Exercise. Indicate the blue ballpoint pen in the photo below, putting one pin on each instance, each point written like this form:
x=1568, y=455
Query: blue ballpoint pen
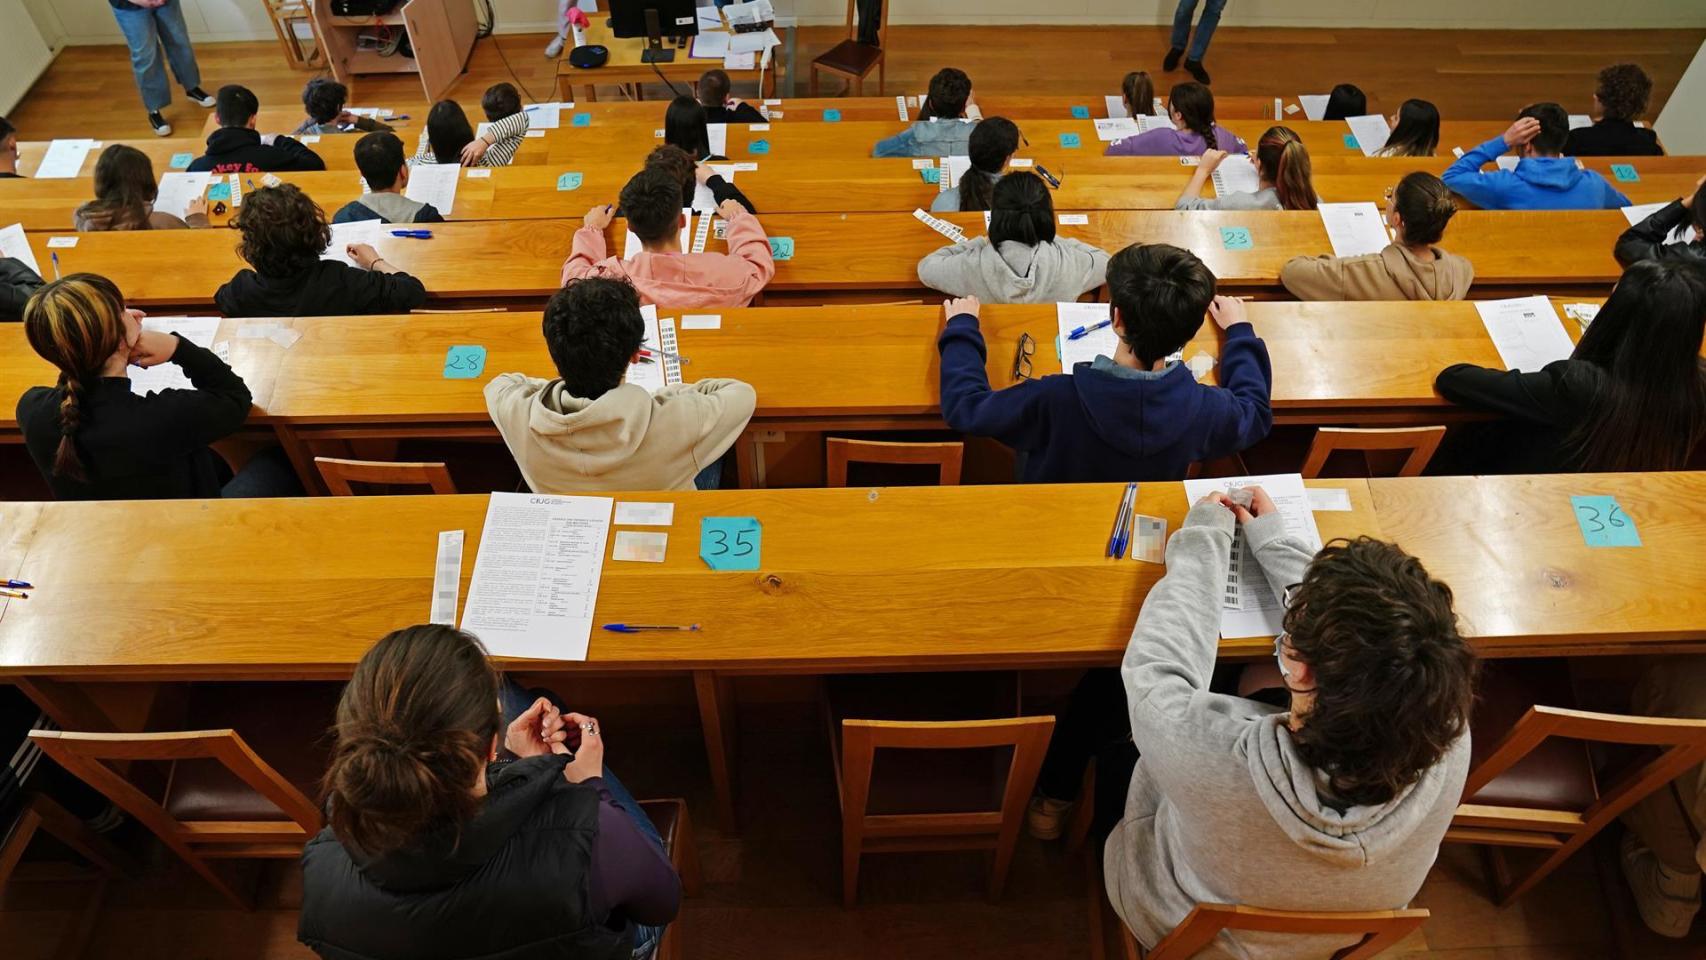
x=1083, y=332
x=55, y=255
x=637, y=627
x=416, y=234
x=18, y=585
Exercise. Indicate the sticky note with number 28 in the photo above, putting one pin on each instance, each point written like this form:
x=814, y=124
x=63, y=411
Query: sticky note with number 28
x=730, y=543
x=464, y=362
x=1603, y=522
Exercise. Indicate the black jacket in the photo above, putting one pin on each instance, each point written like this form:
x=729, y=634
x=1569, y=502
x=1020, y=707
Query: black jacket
x=17, y=282
x=1646, y=240
x=1613, y=138
x=513, y=884
x=1539, y=411
x=240, y=150
x=142, y=448
x=740, y=113
x=722, y=190
x=328, y=289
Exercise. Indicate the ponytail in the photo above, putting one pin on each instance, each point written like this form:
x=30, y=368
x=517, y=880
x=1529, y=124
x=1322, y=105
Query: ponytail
x=993, y=141
x=1139, y=93
x=66, y=463
x=1284, y=162
x=1195, y=105
x=76, y=324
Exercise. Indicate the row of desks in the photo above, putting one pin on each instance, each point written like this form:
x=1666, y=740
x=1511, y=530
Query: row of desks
x=871, y=254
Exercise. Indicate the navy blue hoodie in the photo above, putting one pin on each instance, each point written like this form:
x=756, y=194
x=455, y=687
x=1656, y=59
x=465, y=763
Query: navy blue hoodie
x=1096, y=426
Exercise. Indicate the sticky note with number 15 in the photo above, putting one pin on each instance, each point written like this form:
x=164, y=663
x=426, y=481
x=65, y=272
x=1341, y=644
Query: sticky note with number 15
x=730, y=543
x=1603, y=522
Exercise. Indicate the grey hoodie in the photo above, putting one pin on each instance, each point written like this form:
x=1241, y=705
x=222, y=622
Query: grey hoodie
x=1061, y=270
x=1221, y=808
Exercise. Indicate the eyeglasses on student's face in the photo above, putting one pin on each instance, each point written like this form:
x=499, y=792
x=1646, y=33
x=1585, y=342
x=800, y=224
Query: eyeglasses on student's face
x=1022, y=357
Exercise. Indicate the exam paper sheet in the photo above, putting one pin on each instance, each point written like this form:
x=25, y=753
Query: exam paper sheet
x=1103, y=342
x=1641, y=211
x=1371, y=132
x=1526, y=331
x=1354, y=229
x=15, y=243
x=1236, y=174
x=169, y=376
x=434, y=183
x=1249, y=607
x=536, y=575
x=178, y=189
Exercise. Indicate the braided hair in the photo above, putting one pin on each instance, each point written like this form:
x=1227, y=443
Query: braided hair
x=76, y=324
x=1194, y=103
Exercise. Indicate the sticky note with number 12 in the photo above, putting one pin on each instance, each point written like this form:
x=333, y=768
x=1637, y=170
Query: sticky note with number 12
x=730, y=543
x=1603, y=522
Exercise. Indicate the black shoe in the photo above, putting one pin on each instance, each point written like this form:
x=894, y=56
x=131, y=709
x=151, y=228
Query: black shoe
x=1171, y=63
x=200, y=96
x=1194, y=67
x=161, y=127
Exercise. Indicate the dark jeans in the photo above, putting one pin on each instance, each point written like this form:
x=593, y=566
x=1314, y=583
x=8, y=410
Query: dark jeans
x=267, y=474
x=1094, y=726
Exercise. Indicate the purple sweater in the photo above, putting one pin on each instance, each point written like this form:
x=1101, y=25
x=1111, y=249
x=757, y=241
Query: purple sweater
x=1174, y=143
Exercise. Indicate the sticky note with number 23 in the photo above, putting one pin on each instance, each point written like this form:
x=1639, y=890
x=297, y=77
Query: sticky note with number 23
x=1603, y=522
x=730, y=543
x=1235, y=238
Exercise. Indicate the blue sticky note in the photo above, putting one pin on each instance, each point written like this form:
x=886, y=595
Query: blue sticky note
x=1625, y=172
x=181, y=160
x=219, y=191
x=730, y=543
x=832, y=116
x=1235, y=238
x=1069, y=141
x=781, y=248
x=569, y=181
x=758, y=146
x=1603, y=522
x=464, y=362
x=581, y=120
x=1080, y=113
x=1351, y=141
x=931, y=175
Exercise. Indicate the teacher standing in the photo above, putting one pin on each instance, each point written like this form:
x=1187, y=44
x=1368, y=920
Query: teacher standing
x=1199, y=43
x=149, y=25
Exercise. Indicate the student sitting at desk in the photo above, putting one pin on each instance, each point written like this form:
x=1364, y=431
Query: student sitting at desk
x=436, y=848
x=719, y=106
x=448, y=138
x=1632, y=396
x=1542, y=180
x=1137, y=92
x=679, y=165
x=1138, y=415
x=8, y=150
x=1345, y=100
x=237, y=148
x=685, y=125
x=1646, y=240
x=1415, y=131
x=1410, y=268
x=17, y=283
x=323, y=99
x=941, y=129
x=1619, y=97
x=1191, y=108
x=1283, y=177
x=993, y=143
x=124, y=196
x=1337, y=803
x=379, y=157
x=1020, y=261
x=661, y=271
x=283, y=236
x=590, y=429
x=92, y=438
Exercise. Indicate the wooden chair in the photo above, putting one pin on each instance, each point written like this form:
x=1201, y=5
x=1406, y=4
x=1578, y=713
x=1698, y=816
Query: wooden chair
x=1420, y=441
x=948, y=457
x=855, y=60
x=670, y=818
x=339, y=474
x=951, y=767
x=40, y=812
x=1532, y=782
x=285, y=15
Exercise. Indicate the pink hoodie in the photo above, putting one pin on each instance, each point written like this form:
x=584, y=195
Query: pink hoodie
x=684, y=281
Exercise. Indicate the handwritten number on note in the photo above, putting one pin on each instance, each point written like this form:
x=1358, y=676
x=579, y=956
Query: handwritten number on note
x=1603, y=522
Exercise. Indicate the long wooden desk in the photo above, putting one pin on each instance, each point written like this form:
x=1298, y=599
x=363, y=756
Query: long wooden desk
x=865, y=254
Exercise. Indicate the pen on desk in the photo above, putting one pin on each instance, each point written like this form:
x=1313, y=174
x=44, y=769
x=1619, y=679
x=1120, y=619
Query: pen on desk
x=1080, y=333
x=637, y=627
x=250, y=181
x=55, y=255
x=415, y=234
x=17, y=585
x=1123, y=538
x=1114, y=534
x=648, y=353
x=14, y=594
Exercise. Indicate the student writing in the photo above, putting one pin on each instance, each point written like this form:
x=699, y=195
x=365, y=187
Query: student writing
x=941, y=129
x=124, y=196
x=719, y=106
x=993, y=143
x=236, y=147
x=323, y=99
x=679, y=165
x=1411, y=267
x=1284, y=177
x=1646, y=240
x=379, y=157
x=1191, y=108
x=1542, y=180
x=1021, y=260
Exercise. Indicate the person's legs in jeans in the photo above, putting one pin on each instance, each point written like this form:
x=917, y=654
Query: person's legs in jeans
x=1182, y=22
x=175, y=37
x=1094, y=720
x=267, y=474
x=1205, y=29
x=144, y=43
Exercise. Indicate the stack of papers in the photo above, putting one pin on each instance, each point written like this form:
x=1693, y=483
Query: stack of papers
x=1526, y=331
x=536, y=575
x=1249, y=607
x=1371, y=132
x=1354, y=229
x=740, y=61
x=15, y=243
x=435, y=183
x=169, y=376
x=710, y=45
x=753, y=42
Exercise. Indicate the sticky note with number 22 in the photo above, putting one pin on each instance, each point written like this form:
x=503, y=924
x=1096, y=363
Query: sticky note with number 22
x=1603, y=522
x=730, y=543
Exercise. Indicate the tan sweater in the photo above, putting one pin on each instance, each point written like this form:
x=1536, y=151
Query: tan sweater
x=626, y=439
x=1392, y=274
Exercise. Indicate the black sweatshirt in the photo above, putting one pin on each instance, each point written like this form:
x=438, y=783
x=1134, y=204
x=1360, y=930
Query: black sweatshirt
x=1646, y=240
x=739, y=113
x=327, y=289
x=17, y=282
x=1539, y=411
x=240, y=150
x=141, y=448
x=1613, y=138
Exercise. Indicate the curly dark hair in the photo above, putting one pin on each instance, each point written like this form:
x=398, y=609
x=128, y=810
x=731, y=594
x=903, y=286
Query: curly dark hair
x=592, y=328
x=1394, y=680
x=323, y=99
x=284, y=232
x=1623, y=90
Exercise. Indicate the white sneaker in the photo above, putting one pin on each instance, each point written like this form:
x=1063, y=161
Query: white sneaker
x=161, y=127
x=1667, y=900
x=554, y=49
x=1045, y=817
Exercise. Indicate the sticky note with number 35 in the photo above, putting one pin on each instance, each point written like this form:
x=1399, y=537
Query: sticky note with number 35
x=1603, y=522
x=730, y=543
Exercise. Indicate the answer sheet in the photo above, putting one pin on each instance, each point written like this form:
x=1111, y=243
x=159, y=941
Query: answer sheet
x=536, y=575
x=63, y=159
x=1371, y=132
x=1117, y=128
x=1314, y=105
x=1641, y=211
x=1103, y=342
x=178, y=189
x=169, y=376
x=434, y=183
x=15, y=243
x=1354, y=229
x=545, y=116
x=660, y=335
x=1249, y=607
x=1526, y=331
x=1236, y=174
x=1116, y=107
x=362, y=231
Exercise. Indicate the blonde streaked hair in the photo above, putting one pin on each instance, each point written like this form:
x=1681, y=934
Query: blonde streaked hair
x=1284, y=162
x=76, y=324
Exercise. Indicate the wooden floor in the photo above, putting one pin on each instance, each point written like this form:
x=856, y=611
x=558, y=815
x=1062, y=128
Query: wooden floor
x=88, y=91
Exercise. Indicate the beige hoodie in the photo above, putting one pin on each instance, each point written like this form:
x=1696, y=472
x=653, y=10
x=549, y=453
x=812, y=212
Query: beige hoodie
x=1392, y=274
x=626, y=439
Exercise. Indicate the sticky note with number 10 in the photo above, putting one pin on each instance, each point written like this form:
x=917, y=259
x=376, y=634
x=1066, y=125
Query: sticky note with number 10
x=730, y=543
x=1603, y=522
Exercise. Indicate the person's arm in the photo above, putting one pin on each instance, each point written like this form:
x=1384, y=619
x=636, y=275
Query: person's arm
x=1281, y=555
x=186, y=420
x=723, y=191
x=1485, y=189
x=1191, y=197
x=1246, y=379
x=1314, y=278
x=1093, y=259
x=969, y=405
x=17, y=283
x=1151, y=143
x=748, y=244
x=944, y=269
x=496, y=147
x=1646, y=239
x=1510, y=393
x=298, y=156
x=901, y=144
x=719, y=410
x=587, y=250
x=743, y=112
x=631, y=876
x=375, y=285
x=370, y=125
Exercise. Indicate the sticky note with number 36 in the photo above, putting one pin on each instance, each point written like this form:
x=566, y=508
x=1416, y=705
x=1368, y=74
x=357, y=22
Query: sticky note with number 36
x=730, y=543
x=1603, y=522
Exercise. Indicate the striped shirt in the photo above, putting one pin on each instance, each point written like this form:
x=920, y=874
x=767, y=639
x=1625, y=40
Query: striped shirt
x=506, y=136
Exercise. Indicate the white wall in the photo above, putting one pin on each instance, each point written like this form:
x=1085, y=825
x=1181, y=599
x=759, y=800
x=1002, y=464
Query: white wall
x=75, y=22
x=1682, y=124
x=24, y=52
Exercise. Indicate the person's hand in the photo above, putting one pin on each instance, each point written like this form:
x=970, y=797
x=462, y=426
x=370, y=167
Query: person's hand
x=958, y=306
x=153, y=348
x=1520, y=132
x=1260, y=503
x=363, y=255
x=1227, y=311
x=729, y=209
x=599, y=217
x=1688, y=201
x=344, y=119
x=1210, y=160
x=475, y=149
x=536, y=731
x=589, y=752
x=196, y=207
x=703, y=173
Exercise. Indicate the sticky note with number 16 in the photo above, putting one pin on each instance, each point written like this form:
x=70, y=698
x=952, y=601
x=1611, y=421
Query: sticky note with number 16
x=1603, y=522
x=730, y=543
